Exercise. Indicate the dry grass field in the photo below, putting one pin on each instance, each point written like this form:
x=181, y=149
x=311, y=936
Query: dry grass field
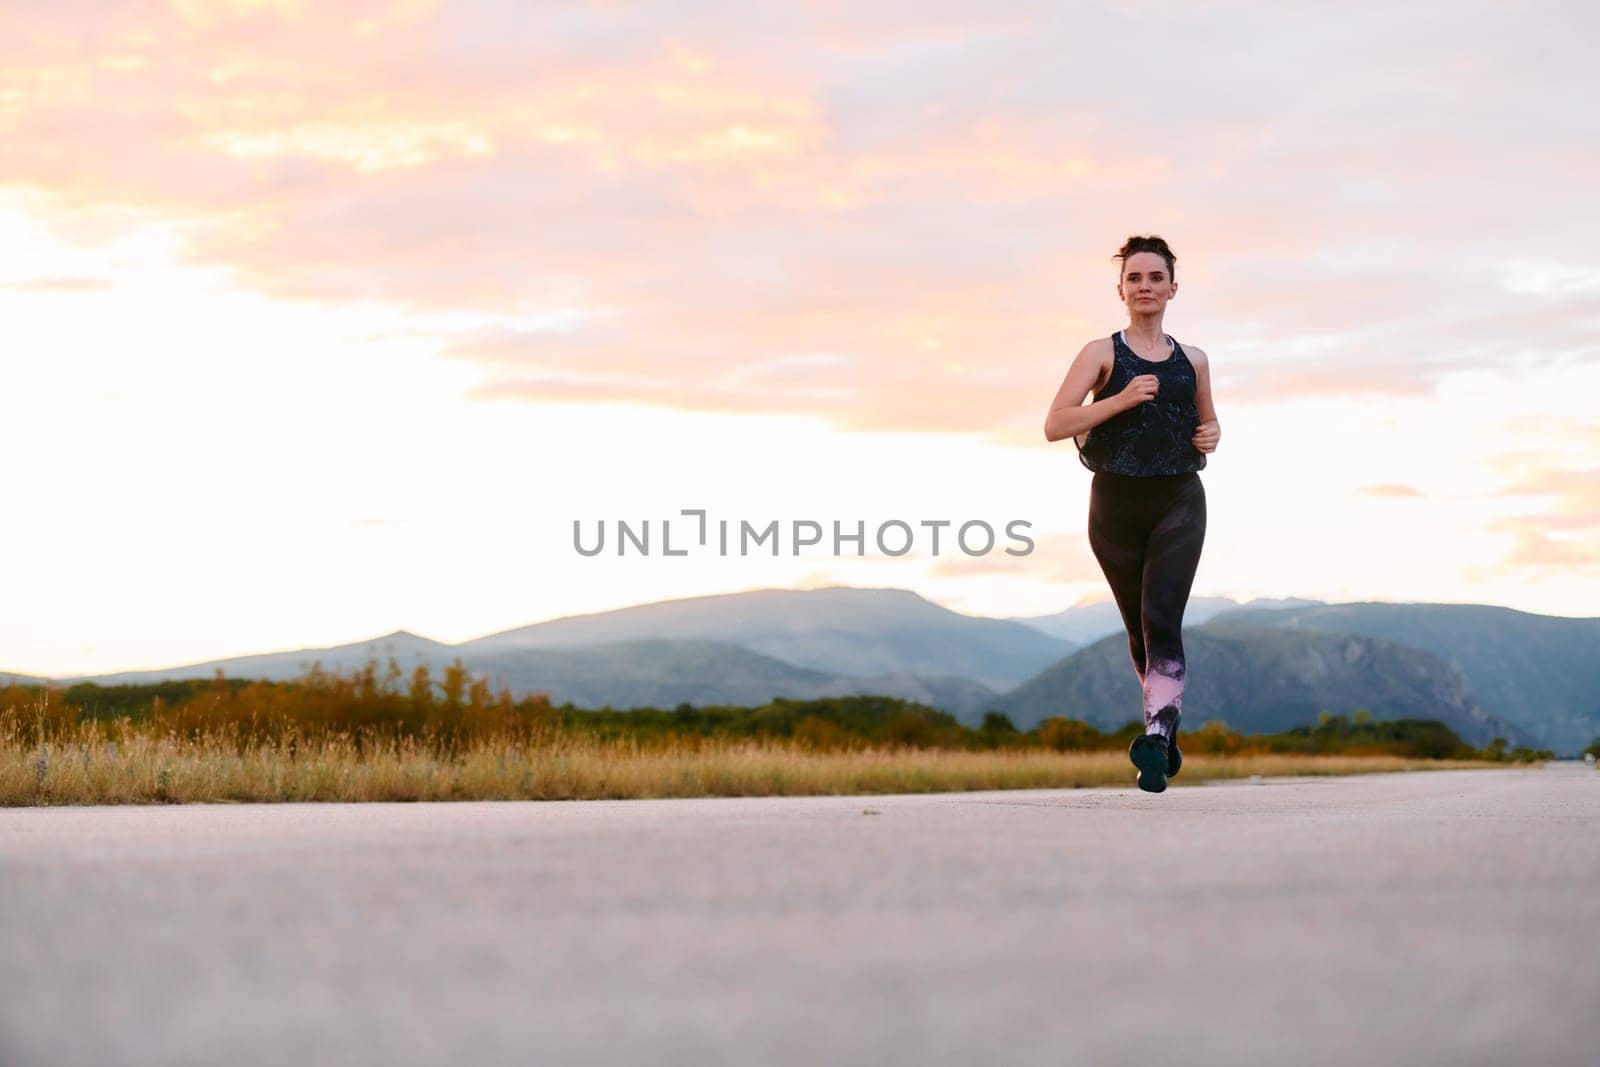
x=146, y=770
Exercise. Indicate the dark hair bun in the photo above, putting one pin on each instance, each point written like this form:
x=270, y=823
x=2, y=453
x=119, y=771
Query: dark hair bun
x=1151, y=243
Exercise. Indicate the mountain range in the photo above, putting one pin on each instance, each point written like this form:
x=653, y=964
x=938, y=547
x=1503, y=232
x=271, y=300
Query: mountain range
x=1268, y=665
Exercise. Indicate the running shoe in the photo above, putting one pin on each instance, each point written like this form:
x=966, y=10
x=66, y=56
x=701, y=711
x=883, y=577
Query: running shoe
x=1174, y=757
x=1149, y=753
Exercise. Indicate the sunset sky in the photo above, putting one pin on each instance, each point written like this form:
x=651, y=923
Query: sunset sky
x=327, y=319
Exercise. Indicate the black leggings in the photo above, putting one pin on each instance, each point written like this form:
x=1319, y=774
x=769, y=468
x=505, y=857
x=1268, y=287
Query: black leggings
x=1147, y=534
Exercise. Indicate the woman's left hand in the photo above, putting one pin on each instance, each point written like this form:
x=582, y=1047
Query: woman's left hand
x=1206, y=437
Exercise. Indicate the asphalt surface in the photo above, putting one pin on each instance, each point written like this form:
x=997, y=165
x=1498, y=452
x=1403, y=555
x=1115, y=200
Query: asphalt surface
x=1436, y=917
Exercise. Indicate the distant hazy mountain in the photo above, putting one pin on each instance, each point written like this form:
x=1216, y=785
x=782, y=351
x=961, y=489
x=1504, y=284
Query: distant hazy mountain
x=1084, y=624
x=407, y=648
x=664, y=674
x=1540, y=672
x=733, y=649
x=618, y=674
x=1262, y=679
x=837, y=630
x=8, y=677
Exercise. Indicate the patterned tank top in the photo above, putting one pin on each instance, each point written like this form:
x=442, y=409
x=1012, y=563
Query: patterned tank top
x=1152, y=438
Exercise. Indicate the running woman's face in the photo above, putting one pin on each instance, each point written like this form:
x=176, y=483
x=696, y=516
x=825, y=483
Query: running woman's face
x=1146, y=285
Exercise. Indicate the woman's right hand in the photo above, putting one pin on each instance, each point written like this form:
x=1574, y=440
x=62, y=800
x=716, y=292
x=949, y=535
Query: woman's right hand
x=1140, y=389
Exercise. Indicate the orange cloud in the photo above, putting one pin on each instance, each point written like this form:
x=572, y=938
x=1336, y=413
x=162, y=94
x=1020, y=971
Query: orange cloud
x=1564, y=534
x=1390, y=490
x=1537, y=550
x=210, y=12
x=1062, y=558
x=61, y=285
x=1574, y=497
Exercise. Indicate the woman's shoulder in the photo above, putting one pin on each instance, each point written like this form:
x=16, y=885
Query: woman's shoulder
x=1196, y=354
x=1102, y=354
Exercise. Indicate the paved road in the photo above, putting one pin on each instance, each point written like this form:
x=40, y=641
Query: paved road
x=1433, y=916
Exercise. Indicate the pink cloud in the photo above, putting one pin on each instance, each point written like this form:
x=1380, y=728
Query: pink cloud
x=894, y=217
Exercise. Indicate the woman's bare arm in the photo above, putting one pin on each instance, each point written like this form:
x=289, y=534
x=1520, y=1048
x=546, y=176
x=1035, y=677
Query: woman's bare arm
x=1068, y=415
x=1209, y=432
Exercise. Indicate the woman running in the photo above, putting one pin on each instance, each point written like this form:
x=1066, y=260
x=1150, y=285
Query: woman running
x=1145, y=436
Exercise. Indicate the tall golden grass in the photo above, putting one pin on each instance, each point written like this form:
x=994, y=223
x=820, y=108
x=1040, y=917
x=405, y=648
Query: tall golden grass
x=357, y=738
x=145, y=770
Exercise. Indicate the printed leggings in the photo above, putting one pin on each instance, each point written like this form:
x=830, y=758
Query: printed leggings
x=1147, y=534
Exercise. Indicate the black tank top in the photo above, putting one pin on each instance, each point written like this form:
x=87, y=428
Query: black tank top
x=1152, y=438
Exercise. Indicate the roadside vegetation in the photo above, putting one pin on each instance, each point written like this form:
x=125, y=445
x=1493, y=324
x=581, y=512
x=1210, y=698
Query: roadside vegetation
x=378, y=734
